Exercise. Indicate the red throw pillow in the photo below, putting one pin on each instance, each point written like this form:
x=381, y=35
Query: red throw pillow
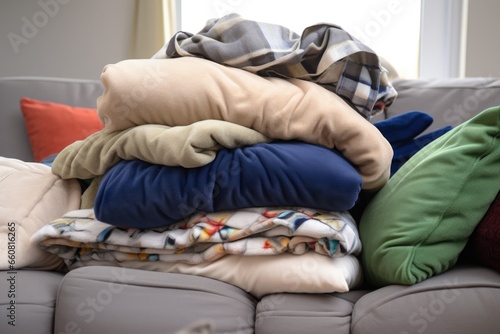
x=53, y=126
x=484, y=243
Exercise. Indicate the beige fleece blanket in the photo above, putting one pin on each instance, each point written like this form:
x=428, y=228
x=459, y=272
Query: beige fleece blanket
x=185, y=90
x=262, y=274
x=188, y=146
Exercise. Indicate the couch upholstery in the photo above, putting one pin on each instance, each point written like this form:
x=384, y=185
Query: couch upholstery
x=116, y=300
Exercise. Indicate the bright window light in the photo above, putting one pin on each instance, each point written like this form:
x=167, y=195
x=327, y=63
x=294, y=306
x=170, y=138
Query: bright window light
x=391, y=28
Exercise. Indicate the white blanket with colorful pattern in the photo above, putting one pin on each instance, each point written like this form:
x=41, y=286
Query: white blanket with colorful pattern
x=78, y=236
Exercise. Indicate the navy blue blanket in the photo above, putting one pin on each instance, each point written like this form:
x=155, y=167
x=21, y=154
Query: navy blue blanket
x=286, y=173
x=402, y=132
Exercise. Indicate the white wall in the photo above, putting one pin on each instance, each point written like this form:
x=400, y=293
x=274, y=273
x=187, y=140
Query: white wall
x=63, y=38
x=482, y=38
x=77, y=38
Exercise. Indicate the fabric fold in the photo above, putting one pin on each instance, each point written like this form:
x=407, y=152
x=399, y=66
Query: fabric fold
x=263, y=275
x=185, y=90
x=188, y=146
x=324, y=53
x=79, y=236
x=286, y=173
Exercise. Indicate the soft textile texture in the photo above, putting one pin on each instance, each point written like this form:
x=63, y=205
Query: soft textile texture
x=187, y=146
x=78, y=236
x=404, y=127
x=325, y=54
x=484, y=243
x=404, y=151
x=402, y=132
x=418, y=224
x=185, y=90
x=53, y=126
x=263, y=275
x=90, y=192
x=30, y=197
x=138, y=194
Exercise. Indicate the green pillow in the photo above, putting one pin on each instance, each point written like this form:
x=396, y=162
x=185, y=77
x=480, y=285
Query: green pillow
x=419, y=222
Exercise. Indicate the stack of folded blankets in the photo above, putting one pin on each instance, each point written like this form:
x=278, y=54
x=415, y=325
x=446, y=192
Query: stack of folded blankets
x=235, y=153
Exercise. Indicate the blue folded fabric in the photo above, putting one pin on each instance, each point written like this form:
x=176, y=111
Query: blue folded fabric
x=402, y=132
x=403, y=152
x=404, y=127
x=285, y=173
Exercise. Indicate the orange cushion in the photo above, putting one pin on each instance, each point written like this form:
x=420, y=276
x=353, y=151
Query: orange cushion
x=53, y=126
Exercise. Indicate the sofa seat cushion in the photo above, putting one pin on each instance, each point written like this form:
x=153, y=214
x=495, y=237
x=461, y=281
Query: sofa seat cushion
x=120, y=300
x=306, y=313
x=464, y=299
x=28, y=301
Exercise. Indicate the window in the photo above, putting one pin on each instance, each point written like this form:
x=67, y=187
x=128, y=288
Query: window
x=390, y=27
x=443, y=38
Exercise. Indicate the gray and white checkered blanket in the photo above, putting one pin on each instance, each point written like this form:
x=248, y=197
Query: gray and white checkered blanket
x=325, y=54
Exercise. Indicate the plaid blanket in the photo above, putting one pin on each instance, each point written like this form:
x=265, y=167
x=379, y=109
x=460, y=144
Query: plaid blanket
x=325, y=54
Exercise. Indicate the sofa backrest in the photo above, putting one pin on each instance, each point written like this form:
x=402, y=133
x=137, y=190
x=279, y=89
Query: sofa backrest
x=448, y=101
x=14, y=141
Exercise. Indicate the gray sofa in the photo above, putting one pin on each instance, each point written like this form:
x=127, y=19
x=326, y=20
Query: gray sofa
x=464, y=299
